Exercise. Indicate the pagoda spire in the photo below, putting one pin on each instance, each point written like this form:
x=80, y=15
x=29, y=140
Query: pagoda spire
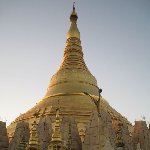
x=73, y=31
x=57, y=133
x=56, y=142
x=73, y=75
x=73, y=55
x=34, y=139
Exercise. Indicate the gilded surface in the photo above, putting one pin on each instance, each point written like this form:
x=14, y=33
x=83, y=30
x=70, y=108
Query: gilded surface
x=67, y=86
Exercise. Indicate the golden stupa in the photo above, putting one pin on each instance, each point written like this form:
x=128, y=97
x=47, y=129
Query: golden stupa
x=67, y=87
x=73, y=115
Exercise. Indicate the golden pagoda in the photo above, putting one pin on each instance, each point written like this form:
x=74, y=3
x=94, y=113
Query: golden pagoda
x=67, y=85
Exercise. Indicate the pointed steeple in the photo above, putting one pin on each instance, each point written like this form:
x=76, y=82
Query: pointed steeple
x=34, y=139
x=73, y=55
x=56, y=142
x=73, y=31
x=73, y=71
x=57, y=133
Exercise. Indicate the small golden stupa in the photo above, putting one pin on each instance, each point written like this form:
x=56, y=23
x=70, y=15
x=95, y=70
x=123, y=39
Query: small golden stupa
x=34, y=139
x=56, y=142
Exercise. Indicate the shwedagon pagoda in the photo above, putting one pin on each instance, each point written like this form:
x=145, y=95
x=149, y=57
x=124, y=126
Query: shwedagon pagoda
x=73, y=115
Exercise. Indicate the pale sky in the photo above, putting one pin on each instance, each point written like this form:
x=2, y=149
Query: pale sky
x=115, y=36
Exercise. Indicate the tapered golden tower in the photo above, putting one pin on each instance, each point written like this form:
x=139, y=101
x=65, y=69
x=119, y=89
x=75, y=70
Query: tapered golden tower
x=74, y=89
x=67, y=85
x=73, y=75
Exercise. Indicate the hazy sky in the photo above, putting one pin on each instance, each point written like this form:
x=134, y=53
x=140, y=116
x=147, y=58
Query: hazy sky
x=115, y=36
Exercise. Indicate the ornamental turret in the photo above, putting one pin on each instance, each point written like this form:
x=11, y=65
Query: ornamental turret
x=56, y=142
x=34, y=138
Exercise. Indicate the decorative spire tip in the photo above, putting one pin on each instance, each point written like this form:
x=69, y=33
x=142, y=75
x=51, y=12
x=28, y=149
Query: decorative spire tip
x=73, y=5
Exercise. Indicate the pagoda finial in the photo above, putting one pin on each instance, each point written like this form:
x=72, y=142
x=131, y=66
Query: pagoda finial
x=73, y=6
x=73, y=16
x=73, y=31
